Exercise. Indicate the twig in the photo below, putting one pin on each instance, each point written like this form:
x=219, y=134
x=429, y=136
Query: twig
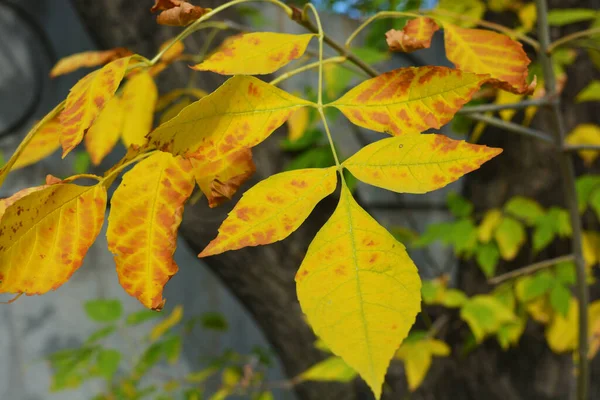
x=510, y=126
x=568, y=38
x=577, y=147
x=499, y=107
x=530, y=269
x=568, y=181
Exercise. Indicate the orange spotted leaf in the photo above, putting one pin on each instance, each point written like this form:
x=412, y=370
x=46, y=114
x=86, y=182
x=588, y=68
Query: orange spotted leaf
x=139, y=99
x=255, y=53
x=219, y=180
x=272, y=209
x=45, y=235
x=144, y=217
x=86, y=99
x=409, y=100
x=45, y=142
x=486, y=52
x=417, y=163
x=102, y=137
x=241, y=113
x=87, y=59
x=359, y=289
x=415, y=35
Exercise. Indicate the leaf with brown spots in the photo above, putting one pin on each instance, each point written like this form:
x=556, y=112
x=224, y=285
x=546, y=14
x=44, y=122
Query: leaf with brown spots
x=86, y=99
x=45, y=142
x=87, y=59
x=219, y=180
x=255, y=53
x=139, y=99
x=417, y=163
x=360, y=290
x=8, y=201
x=272, y=209
x=409, y=100
x=415, y=35
x=144, y=217
x=102, y=137
x=243, y=112
x=45, y=235
x=486, y=52
x=177, y=12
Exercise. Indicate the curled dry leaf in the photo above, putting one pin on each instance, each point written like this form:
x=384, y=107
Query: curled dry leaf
x=415, y=35
x=87, y=59
x=177, y=12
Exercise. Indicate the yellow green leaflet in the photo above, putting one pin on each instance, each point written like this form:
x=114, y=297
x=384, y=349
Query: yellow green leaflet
x=273, y=209
x=417, y=163
x=330, y=369
x=409, y=100
x=359, y=289
x=417, y=356
x=585, y=134
x=243, y=112
x=255, y=53
x=510, y=235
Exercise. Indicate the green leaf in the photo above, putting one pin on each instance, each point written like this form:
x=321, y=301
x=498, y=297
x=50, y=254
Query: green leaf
x=485, y=315
x=525, y=209
x=171, y=348
x=202, y=375
x=330, y=369
x=531, y=287
x=565, y=16
x=560, y=296
x=108, y=362
x=544, y=232
x=100, y=334
x=590, y=93
x=586, y=185
x=318, y=157
x=562, y=221
x=595, y=202
x=487, y=258
x=454, y=298
x=142, y=316
x=103, y=310
x=82, y=162
x=214, y=321
x=192, y=394
x=309, y=139
x=442, y=231
x=464, y=236
x=565, y=272
x=510, y=236
x=70, y=367
x=459, y=206
x=429, y=291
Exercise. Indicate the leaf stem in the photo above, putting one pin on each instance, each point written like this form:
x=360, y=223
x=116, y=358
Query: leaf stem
x=335, y=156
x=331, y=60
x=311, y=7
x=510, y=126
x=530, y=269
x=373, y=18
x=498, y=107
x=83, y=176
x=568, y=180
x=569, y=38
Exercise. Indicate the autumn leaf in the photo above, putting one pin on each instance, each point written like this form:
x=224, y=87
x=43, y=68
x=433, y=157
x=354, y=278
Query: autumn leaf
x=488, y=225
x=255, y=53
x=298, y=123
x=272, y=209
x=485, y=315
x=174, y=109
x=243, y=112
x=145, y=214
x=590, y=93
x=416, y=35
x=139, y=99
x=486, y=52
x=417, y=355
x=409, y=100
x=102, y=137
x=173, y=319
x=86, y=99
x=87, y=59
x=585, y=134
x=332, y=369
x=417, y=163
x=8, y=201
x=349, y=257
x=44, y=143
x=510, y=236
x=464, y=13
x=562, y=332
x=166, y=99
x=45, y=235
x=219, y=180
x=177, y=12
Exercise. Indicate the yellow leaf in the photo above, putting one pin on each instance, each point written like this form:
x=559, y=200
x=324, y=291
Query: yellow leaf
x=417, y=356
x=464, y=13
x=417, y=163
x=173, y=52
x=45, y=235
x=86, y=99
x=486, y=52
x=528, y=16
x=591, y=248
x=243, y=112
x=594, y=328
x=144, y=217
x=503, y=98
x=44, y=143
x=220, y=180
x=485, y=315
x=175, y=109
x=255, y=53
x=415, y=35
x=488, y=225
x=359, y=289
x=272, y=209
x=139, y=99
x=585, y=134
x=166, y=99
x=510, y=236
x=8, y=201
x=87, y=59
x=562, y=333
x=409, y=100
x=540, y=309
x=173, y=319
x=298, y=123
x=331, y=369
x=102, y=137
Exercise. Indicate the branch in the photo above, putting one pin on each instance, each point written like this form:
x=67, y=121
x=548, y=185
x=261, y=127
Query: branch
x=510, y=126
x=530, y=269
x=498, y=107
x=577, y=147
x=569, y=38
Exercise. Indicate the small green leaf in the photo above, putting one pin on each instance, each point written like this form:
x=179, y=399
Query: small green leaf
x=142, y=316
x=309, y=139
x=525, y=209
x=442, y=231
x=560, y=297
x=487, y=258
x=464, y=238
x=459, y=206
x=429, y=291
x=595, y=202
x=171, y=348
x=590, y=93
x=192, y=394
x=82, y=162
x=544, y=233
x=214, y=321
x=100, y=334
x=565, y=273
x=104, y=310
x=565, y=16
x=485, y=315
x=531, y=287
x=318, y=157
x=586, y=185
x=108, y=362
x=454, y=298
